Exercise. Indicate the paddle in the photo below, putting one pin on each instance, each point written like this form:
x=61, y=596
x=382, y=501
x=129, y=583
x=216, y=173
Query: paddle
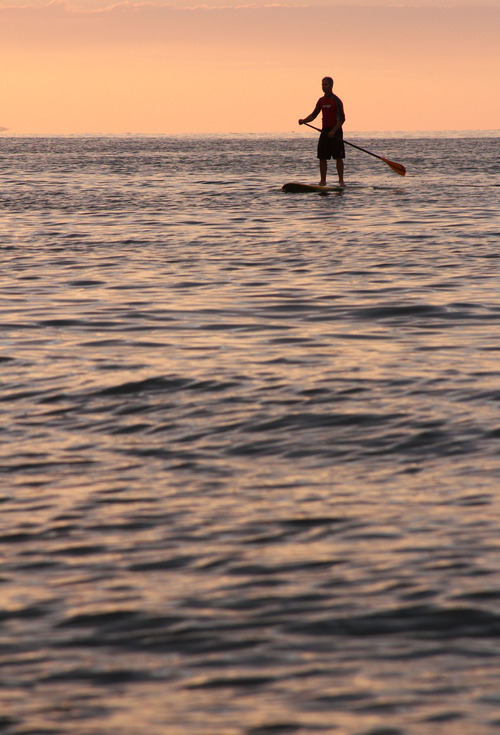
x=397, y=167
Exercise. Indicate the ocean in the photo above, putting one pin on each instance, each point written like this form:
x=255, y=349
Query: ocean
x=250, y=441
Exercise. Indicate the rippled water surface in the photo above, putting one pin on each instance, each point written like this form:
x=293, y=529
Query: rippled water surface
x=250, y=441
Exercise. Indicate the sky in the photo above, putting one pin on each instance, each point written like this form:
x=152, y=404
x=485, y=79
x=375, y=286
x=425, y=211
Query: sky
x=91, y=67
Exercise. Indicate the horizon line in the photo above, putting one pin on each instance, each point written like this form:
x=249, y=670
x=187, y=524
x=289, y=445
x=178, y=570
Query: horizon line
x=6, y=133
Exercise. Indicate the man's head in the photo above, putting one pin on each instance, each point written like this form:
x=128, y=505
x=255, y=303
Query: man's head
x=327, y=85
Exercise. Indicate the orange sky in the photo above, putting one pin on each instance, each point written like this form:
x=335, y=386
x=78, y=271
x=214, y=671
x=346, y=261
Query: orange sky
x=144, y=69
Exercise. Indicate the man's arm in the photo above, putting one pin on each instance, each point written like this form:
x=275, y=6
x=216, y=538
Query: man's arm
x=340, y=119
x=314, y=114
x=335, y=129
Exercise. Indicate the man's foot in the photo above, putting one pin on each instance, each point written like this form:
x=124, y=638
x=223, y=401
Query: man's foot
x=322, y=183
x=342, y=184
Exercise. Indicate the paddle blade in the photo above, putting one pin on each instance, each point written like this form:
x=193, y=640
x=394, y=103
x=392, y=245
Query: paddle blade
x=397, y=167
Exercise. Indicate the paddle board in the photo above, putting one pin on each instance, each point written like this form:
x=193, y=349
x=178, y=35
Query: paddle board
x=298, y=188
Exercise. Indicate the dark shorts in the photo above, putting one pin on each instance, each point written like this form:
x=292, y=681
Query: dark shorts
x=330, y=147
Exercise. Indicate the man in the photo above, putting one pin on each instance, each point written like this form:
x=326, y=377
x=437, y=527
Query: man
x=331, y=141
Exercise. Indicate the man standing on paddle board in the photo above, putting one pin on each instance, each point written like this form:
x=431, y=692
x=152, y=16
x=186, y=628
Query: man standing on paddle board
x=331, y=141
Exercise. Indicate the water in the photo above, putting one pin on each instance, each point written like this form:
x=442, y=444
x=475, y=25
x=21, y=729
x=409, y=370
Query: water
x=250, y=449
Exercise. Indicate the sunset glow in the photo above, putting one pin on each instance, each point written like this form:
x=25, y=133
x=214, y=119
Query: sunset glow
x=148, y=68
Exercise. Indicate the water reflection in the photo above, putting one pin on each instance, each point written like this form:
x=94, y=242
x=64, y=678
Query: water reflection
x=249, y=457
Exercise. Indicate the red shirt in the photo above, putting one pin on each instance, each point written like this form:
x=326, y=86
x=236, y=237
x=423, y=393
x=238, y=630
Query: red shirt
x=332, y=109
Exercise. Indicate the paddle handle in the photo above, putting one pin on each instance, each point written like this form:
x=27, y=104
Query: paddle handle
x=397, y=167
x=346, y=141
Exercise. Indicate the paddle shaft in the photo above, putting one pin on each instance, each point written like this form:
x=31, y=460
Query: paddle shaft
x=397, y=167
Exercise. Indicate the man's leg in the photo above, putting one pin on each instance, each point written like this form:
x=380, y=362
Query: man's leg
x=323, y=166
x=340, y=170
